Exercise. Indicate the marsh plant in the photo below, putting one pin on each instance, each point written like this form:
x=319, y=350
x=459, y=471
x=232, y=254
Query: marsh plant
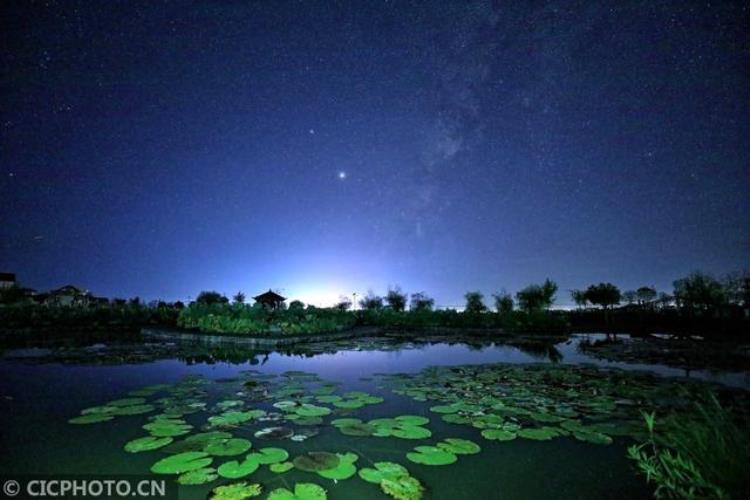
x=706, y=455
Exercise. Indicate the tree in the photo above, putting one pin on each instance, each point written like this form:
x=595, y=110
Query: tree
x=537, y=297
x=579, y=298
x=296, y=305
x=239, y=298
x=344, y=304
x=12, y=295
x=210, y=297
x=699, y=291
x=474, y=302
x=737, y=288
x=646, y=295
x=503, y=302
x=420, y=302
x=603, y=294
x=396, y=299
x=371, y=301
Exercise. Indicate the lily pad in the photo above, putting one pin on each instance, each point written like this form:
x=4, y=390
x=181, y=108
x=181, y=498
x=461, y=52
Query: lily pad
x=403, y=488
x=267, y=456
x=236, y=491
x=282, y=467
x=498, y=435
x=383, y=470
x=274, y=433
x=344, y=470
x=411, y=432
x=236, y=469
x=459, y=446
x=315, y=461
x=538, y=434
x=431, y=455
x=147, y=443
x=92, y=418
x=308, y=410
x=182, y=462
x=412, y=420
x=302, y=491
x=168, y=428
x=227, y=447
x=198, y=476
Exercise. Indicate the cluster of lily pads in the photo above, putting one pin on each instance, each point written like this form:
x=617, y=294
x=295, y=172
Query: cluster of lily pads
x=403, y=426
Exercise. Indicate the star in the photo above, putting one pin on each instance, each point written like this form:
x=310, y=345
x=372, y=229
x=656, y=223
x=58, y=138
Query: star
x=342, y=175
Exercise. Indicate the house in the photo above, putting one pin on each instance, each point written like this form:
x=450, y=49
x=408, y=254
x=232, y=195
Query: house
x=7, y=280
x=69, y=295
x=270, y=299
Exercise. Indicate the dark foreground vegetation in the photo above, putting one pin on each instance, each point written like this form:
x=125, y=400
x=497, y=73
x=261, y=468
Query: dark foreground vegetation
x=699, y=304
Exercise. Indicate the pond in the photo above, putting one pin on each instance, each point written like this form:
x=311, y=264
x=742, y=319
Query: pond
x=546, y=422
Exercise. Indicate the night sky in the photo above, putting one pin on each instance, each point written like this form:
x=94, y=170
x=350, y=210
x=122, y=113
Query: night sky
x=324, y=148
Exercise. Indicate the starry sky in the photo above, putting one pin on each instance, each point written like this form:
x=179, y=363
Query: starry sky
x=157, y=148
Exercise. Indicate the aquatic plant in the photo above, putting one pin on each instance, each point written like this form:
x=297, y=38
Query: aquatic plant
x=344, y=470
x=147, y=443
x=236, y=491
x=198, y=476
x=235, y=469
x=182, y=462
x=394, y=480
x=431, y=455
x=315, y=461
x=302, y=491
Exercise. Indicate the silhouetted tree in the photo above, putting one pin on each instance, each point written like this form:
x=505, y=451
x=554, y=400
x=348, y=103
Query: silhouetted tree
x=603, y=294
x=537, y=297
x=737, y=288
x=239, y=298
x=630, y=297
x=699, y=291
x=12, y=295
x=211, y=297
x=646, y=295
x=421, y=302
x=344, y=304
x=503, y=302
x=396, y=299
x=371, y=301
x=296, y=305
x=579, y=297
x=474, y=302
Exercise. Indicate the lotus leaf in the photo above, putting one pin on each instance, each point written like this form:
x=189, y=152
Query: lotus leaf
x=147, y=443
x=282, y=467
x=344, y=470
x=412, y=420
x=302, y=491
x=182, y=462
x=357, y=430
x=127, y=402
x=351, y=404
x=431, y=455
x=459, y=446
x=411, y=432
x=308, y=410
x=345, y=421
x=403, y=488
x=236, y=491
x=445, y=409
x=198, y=476
x=227, y=447
x=92, y=418
x=236, y=469
x=539, y=434
x=232, y=418
x=315, y=461
x=267, y=456
x=592, y=437
x=498, y=434
x=168, y=428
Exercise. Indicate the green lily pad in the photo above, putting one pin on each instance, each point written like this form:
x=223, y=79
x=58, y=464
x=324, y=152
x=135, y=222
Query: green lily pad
x=236, y=469
x=168, y=428
x=227, y=447
x=147, y=443
x=383, y=470
x=345, y=421
x=267, y=456
x=411, y=432
x=350, y=404
x=403, y=488
x=234, y=418
x=344, y=470
x=182, y=462
x=92, y=418
x=127, y=402
x=282, y=467
x=498, y=435
x=315, y=461
x=459, y=446
x=274, y=433
x=302, y=491
x=198, y=476
x=592, y=437
x=308, y=410
x=133, y=410
x=412, y=420
x=444, y=409
x=236, y=491
x=357, y=429
x=431, y=455
x=538, y=434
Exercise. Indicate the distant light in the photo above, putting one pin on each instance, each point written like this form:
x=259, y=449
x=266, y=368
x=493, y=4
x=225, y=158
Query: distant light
x=342, y=175
x=312, y=131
